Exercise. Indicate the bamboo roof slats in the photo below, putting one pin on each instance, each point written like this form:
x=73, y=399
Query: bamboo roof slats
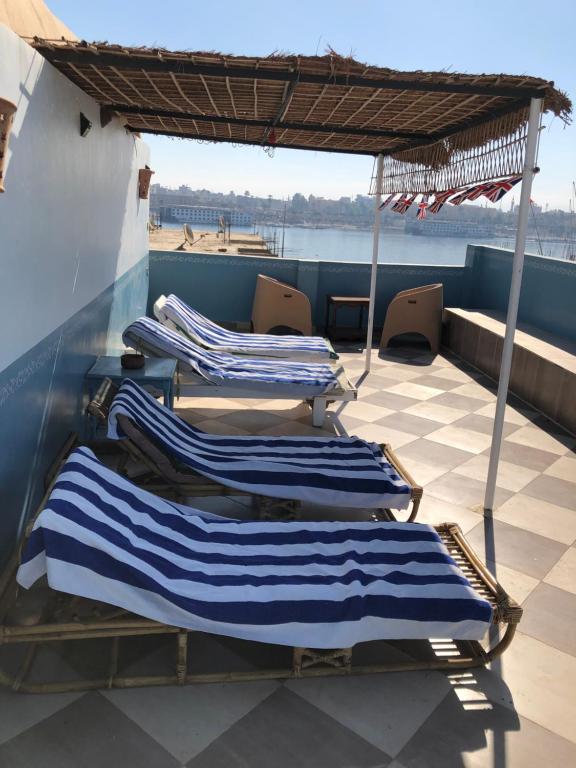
x=322, y=103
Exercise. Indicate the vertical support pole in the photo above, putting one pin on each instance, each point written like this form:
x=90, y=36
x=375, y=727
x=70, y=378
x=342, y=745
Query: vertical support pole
x=374, y=272
x=513, y=301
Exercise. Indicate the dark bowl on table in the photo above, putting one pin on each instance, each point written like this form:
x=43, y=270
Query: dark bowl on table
x=132, y=360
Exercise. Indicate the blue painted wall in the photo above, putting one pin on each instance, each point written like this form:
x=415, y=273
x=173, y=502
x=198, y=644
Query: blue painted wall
x=42, y=395
x=222, y=287
x=548, y=296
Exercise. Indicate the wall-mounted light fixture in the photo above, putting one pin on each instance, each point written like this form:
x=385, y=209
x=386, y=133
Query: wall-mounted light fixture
x=7, y=110
x=85, y=125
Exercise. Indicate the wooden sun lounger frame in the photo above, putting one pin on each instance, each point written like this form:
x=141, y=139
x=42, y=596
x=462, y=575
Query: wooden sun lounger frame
x=164, y=473
x=67, y=617
x=190, y=384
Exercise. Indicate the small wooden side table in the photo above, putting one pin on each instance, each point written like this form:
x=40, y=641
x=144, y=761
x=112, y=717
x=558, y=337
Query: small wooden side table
x=333, y=304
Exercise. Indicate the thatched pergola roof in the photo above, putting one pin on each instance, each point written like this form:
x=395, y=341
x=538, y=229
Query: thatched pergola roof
x=324, y=103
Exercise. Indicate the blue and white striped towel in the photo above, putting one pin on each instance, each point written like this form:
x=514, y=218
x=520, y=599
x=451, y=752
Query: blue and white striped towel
x=212, y=336
x=305, y=379
x=335, y=471
x=321, y=585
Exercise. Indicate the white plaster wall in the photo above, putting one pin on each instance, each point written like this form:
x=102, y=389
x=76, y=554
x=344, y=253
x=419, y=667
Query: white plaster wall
x=71, y=221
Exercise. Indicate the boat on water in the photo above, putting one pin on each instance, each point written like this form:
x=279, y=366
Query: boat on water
x=448, y=229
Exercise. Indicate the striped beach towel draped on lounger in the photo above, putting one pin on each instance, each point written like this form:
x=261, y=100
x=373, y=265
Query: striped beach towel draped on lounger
x=321, y=585
x=339, y=471
x=309, y=379
x=212, y=336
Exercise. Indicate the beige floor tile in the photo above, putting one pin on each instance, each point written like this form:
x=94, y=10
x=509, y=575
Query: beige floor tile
x=464, y=439
x=463, y=491
x=288, y=409
x=222, y=402
x=364, y=390
x=474, y=390
x=400, y=372
x=366, y=411
x=436, y=511
x=563, y=575
x=421, y=472
x=403, y=701
x=511, y=414
x=542, y=681
x=564, y=468
x=214, y=427
x=452, y=374
x=557, y=523
x=193, y=415
x=538, y=438
x=510, y=476
x=518, y=585
x=428, y=409
x=417, y=391
x=341, y=421
x=296, y=428
x=378, y=434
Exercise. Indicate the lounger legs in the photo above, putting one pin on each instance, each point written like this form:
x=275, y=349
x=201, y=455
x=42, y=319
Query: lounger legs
x=318, y=411
x=338, y=658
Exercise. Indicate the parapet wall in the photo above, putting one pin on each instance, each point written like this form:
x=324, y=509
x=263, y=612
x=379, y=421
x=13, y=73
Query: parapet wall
x=548, y=297
x=222, y=287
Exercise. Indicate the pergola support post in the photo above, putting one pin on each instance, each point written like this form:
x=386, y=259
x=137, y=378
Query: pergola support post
x=513, y=301
x=375, y=248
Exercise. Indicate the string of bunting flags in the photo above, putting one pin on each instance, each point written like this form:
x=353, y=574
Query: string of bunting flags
x=492, y=190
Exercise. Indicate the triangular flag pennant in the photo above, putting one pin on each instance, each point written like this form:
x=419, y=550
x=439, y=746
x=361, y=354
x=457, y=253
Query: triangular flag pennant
x=439, y=199
x=422, y=205
x=387, y=202
x=498, y=189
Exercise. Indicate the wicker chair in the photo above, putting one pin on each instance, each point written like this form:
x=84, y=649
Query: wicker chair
x=417, y=310
x=277, y=304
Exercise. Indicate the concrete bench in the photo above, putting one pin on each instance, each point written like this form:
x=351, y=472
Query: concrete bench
x=543, y=366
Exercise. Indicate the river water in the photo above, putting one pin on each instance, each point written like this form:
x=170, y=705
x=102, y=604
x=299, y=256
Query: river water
x=395, y=247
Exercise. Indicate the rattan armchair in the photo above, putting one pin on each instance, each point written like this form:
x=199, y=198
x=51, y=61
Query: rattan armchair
x=417, y=310
x=279, y=305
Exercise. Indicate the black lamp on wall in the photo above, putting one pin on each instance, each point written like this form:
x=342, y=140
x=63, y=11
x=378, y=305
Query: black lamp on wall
x=85, y=125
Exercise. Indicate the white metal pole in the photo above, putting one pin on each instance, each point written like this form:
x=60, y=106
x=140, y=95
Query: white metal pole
x=374, y=272
x=513, y=301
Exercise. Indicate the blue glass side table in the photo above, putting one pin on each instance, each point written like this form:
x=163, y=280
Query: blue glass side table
x=157, y=372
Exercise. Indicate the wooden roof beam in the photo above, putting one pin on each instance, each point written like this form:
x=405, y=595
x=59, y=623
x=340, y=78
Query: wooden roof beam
x=84, y=56
x=126, y=109
x=255, y=143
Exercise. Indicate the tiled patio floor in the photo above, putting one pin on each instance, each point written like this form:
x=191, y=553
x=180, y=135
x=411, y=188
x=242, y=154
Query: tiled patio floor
x=520, y=714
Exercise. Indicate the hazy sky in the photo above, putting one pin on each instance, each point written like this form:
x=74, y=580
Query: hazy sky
x=512, y=36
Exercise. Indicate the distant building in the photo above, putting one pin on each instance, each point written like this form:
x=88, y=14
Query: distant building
x=203, y=214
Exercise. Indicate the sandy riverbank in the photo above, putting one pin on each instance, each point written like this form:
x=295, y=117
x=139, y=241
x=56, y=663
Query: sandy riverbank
x=238, y=244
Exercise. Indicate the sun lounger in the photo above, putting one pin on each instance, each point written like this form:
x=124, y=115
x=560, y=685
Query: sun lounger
x=333, y=471
x=204, y=373
x=177, y=315
x=135, y=564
